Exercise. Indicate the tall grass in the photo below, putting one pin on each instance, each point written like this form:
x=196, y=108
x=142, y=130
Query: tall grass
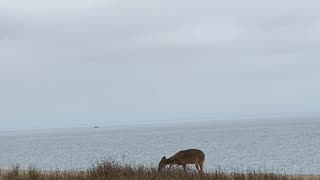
x=117, y=171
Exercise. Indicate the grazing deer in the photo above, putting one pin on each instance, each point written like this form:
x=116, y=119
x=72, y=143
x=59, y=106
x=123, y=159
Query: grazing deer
x=190, y=156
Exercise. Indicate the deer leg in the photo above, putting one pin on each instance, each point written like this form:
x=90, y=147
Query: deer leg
x=198, y=168
x=201, y=167
x=184, y=168
x=170, y=167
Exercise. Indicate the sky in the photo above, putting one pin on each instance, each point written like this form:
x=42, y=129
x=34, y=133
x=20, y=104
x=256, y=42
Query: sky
x=77, y=63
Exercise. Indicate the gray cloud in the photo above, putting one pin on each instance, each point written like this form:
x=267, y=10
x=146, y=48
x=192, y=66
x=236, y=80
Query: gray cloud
x=75, y=63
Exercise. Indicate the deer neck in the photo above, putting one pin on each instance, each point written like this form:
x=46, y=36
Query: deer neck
x=170, y=160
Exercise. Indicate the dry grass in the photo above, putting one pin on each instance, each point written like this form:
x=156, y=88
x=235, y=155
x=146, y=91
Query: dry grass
x=116, y=171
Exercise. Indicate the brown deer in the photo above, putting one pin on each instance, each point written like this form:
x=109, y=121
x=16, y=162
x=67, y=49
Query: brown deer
x=189, y=156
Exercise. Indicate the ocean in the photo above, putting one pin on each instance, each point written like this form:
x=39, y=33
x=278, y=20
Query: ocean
x=286, y=146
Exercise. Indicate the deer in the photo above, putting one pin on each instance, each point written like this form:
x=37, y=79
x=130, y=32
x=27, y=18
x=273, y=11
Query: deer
x=189, y=156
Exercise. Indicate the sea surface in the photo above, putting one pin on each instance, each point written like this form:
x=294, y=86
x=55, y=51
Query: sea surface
x=290, y=146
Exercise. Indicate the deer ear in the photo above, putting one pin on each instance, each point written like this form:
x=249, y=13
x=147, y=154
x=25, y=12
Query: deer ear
x=163, y=158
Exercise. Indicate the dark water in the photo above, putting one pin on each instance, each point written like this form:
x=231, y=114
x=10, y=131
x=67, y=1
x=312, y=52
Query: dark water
x=286, y=146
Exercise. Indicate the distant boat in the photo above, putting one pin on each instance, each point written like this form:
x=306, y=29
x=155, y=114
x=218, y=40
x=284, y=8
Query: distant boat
x=96, y=127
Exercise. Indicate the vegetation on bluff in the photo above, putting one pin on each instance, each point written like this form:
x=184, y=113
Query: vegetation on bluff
x=120, y=171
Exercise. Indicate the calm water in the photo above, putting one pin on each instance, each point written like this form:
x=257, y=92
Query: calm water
x=291, y=147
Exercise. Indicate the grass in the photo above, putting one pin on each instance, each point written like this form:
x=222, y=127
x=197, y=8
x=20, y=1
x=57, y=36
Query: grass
x=111, y=170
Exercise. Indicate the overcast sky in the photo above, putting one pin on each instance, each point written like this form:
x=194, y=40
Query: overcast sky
x=68, y=63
